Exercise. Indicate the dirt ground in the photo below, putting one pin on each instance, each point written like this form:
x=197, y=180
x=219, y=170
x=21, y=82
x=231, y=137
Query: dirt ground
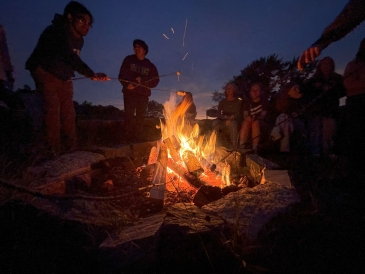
x=322, y=234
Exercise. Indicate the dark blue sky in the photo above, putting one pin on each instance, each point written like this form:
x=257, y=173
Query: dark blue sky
x=221, y=38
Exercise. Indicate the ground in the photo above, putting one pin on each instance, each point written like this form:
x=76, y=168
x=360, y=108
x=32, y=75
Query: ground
x=322, y=234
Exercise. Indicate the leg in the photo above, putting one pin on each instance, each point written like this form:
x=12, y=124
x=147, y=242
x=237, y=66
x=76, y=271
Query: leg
x=256, y=133
x=233, y=133
x=141, y=107
x=244, y=131
x=47, y=85
x=68, y=114
x=329, y=126
x=315, y=133
x=129, y=108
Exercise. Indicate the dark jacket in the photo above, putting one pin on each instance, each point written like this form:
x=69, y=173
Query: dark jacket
x=323, y=95
x=57, y=52
x=132, y=68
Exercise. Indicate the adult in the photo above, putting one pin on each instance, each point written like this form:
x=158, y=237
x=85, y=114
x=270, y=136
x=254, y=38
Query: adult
x=137, y=75
x=288, y=104
x=254, y=113
x=324, y=90
x=52, y=64
x=349, y=18
x=229, y=114
x=6, y=68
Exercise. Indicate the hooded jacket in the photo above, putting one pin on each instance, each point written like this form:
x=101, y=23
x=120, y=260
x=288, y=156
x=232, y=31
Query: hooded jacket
x=132, y=68
x=57, y=52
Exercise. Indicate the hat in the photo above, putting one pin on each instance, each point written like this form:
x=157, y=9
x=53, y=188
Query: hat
x=141, y=43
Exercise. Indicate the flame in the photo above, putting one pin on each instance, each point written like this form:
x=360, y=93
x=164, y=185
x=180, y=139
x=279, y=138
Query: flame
x=189, y=138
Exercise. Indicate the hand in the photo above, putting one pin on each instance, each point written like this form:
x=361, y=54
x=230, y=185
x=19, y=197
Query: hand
x=130, y=86
x=138, y=80
x=100, y=77
x=308, y=56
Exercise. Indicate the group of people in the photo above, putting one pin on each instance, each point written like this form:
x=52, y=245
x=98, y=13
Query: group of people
x=53, y=63
x=313, y=106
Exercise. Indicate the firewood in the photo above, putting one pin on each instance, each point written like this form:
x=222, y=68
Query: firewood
x=191, y=178
x=192, y=163
x=174, y=154
x=159, y=176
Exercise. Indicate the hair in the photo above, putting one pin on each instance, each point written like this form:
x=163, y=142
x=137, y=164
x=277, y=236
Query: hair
x=75, y=9
x=281, y=102
x=327, y=58
x=235, y=88
x=141, y=43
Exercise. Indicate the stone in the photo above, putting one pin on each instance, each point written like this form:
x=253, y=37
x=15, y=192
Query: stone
x=280, y=177
x=252, y=208
x=66, y=166
x=256, y=164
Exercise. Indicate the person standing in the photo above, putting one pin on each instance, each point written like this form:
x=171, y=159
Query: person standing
x=52, y=64
x=137, y=75
x=6, y=68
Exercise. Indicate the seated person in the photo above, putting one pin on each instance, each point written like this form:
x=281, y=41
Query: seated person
x=254, y=112
x=288, y=104
x=229, y=113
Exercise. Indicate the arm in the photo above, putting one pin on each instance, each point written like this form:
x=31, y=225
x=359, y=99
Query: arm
x=126, y=74
x=349, y=18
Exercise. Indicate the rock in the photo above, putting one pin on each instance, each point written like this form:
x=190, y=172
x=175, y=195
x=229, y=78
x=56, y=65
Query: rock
x=280, y=177
x=253, y=207
x=65, y=167
x=256, y=164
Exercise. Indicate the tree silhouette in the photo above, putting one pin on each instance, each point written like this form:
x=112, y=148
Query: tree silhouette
x=272, y=72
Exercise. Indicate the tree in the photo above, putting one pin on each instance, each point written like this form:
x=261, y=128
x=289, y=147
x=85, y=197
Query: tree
x=271, y=72
x=154, y=109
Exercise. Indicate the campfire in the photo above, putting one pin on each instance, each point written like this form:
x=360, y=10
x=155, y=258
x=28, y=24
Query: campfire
x=183, y=157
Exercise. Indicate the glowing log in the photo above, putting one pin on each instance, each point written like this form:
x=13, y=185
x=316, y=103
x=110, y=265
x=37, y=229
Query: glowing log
x=192, y=163
x=177, y=167
x=159, y=177
x=174, y=154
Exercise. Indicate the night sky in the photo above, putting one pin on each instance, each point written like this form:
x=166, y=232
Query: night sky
x=217, y=38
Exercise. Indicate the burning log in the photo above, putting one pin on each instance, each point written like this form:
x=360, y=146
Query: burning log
x=174, y=154
x=192, y=163
x=192, y=179
x=159, y=177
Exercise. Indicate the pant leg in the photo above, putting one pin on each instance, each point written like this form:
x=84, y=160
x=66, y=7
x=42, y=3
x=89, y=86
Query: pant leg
x=282, y=130
x=141, y=107
x=129, y=108
x=48, y=86
x=67, y=112
x=329, y=128
x=315, y=133
x=233, y=133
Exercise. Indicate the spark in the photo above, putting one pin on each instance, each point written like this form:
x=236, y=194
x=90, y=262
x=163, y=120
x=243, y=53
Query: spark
x=165, y=36
x=186, y=24
x=172, y=30
x=185, y=56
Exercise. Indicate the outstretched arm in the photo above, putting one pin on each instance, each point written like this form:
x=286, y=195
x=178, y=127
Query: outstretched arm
x=349, y=18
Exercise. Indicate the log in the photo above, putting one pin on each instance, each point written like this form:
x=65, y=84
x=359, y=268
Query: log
x=192, y=179
x=159, y=177
x=174, y=154
x=192, y=163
